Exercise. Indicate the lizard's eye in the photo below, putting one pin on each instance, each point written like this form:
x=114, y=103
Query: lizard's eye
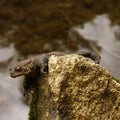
x=18, y=69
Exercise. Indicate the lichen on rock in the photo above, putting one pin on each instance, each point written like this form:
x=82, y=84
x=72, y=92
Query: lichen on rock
x=79, y=89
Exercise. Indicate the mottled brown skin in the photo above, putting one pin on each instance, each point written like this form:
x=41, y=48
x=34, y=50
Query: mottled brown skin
x=28, y=66
x=39, y=65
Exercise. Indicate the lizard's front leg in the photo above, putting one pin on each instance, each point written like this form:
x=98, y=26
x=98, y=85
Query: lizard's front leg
x=42, y=63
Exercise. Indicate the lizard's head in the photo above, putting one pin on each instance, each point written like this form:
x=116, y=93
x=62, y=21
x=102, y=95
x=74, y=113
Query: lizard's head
x=22, y=68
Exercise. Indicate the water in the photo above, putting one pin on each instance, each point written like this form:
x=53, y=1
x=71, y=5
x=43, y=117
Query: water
x=101, y=30
x=11, y=105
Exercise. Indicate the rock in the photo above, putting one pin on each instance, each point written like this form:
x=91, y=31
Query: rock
x=76, y=89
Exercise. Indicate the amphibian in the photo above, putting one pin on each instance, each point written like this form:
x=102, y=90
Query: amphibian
x=28, y=66
x=38, y=65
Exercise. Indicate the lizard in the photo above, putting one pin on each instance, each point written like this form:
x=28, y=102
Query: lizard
x=39, y=65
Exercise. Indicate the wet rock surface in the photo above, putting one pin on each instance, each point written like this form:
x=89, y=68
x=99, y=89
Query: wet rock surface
x=77, y=88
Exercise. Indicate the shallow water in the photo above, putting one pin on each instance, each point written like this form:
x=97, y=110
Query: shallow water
x=11, y=104
x=101, y=30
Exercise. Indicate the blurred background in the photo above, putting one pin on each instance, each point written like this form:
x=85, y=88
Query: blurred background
x=33, y=27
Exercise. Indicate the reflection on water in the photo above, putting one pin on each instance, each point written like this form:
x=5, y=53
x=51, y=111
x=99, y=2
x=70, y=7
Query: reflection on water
x=11, y=105
x=102, y=30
